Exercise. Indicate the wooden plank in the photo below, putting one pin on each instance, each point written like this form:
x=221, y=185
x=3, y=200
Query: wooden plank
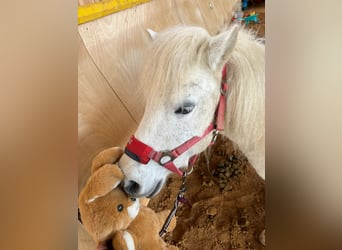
x=189, y=13
x=227, y=8
x=221, y=9
x=86, y=2
x=85, y=242
x=117, y=42
x=212, y=15
x=103, y=121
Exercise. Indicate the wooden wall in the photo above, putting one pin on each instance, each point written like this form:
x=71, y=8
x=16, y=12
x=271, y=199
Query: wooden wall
x=109, y=52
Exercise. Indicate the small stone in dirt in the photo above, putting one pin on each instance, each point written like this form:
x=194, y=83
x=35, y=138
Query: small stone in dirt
x=212, y=211
x=222, y=153
x=224, y=237
x=243, y=222
x=262, y=238
x=220, y=164
x=204, y=184
x=228, y=187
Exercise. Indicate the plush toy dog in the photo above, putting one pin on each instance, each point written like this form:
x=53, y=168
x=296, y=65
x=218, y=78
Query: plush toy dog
x=113, y=219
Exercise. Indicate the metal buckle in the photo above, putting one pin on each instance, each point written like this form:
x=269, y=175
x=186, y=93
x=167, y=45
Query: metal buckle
x=189, y=171
x=224, y=93
x=166, y=157
x=215, y=133
x=180, y=198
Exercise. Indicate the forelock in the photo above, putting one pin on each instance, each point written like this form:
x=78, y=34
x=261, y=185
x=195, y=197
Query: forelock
x=171, y=55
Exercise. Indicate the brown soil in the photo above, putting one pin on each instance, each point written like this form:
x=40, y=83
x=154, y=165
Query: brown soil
x=227, y=196
x=260, y=26
x=228, y=210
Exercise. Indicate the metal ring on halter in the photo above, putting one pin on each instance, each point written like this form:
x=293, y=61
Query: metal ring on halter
x=166, y=157
x=224, y=93
x=215, y=134
x=186, y=173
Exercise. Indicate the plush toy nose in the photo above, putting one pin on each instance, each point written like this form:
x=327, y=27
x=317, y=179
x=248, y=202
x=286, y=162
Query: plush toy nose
x=131, y=188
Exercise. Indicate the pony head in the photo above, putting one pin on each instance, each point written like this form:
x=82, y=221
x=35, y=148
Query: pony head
x=181, y=79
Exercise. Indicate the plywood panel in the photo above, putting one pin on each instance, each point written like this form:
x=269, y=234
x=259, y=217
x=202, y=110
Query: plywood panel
x=189, y=13
x=117, y=43
x=85, y=242
x=227, y=7
x=212, y=15
x=85, y=2
x=103, y=121
x=219, y=8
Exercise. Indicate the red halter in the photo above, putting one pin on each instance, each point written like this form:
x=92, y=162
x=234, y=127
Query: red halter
x=140, y=152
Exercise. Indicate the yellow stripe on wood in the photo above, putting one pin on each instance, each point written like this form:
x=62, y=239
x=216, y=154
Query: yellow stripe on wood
x=93, y=11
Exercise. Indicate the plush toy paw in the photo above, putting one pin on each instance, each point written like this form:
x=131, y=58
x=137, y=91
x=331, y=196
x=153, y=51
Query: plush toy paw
x=123, y=240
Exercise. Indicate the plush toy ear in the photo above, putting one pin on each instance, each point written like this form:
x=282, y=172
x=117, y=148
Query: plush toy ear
x=152, y=34
x=102, y=182
x=220, y=48
x=110, y=155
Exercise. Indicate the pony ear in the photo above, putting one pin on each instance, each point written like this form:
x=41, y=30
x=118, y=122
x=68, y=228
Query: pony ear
x=221, y=46
x=102, y=182
x=152, y=34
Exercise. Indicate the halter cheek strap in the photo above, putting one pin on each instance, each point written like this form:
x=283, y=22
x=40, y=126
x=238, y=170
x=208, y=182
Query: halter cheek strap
x=140, y=152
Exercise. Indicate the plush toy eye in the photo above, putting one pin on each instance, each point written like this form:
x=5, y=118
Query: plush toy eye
x=120, y=207
x=133, y=199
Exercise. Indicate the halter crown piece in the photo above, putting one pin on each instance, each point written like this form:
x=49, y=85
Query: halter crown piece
x=140, y=152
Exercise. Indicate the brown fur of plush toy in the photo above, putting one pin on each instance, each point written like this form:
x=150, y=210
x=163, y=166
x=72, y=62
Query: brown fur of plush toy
x=143, y=232
x=111, y=217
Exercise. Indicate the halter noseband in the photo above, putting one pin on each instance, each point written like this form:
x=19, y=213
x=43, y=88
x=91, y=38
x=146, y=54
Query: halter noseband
x=140, y=152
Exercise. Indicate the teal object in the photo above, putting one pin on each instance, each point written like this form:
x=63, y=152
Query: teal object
x=253, y=18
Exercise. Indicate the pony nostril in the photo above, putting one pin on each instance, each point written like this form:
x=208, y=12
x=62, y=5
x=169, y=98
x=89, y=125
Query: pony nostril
x=131, y=188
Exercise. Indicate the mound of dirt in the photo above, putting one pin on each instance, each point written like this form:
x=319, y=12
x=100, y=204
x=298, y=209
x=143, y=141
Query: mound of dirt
x=227, y=196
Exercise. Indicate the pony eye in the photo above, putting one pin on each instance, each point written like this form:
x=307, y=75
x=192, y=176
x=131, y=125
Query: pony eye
x=120, y=207
x=133, y=199
x=185, y=109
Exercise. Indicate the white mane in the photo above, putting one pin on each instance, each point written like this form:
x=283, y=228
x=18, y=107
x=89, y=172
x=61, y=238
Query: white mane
x=245, y=117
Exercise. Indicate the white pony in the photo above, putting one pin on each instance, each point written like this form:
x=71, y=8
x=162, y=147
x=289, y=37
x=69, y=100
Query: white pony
x=182, y=80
